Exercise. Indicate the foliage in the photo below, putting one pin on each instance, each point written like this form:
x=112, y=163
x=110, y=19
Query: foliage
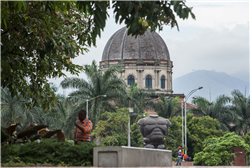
x=40, y=37
x=57, y=117
x=167, y=107
x=97, y=84
x=38, y=41
x=136, y=136
x=137, y=98
x=49, y=152
x=247, y=138
x=217, y=109
x=173, y=137
x=139, y=15
x=111, y=127
x=200, y=129
x=241, y=112
x=218, y=151
x=11, y=109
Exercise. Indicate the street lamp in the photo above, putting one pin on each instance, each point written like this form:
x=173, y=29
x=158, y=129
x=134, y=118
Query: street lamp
x=185, y=101
x=87, y=100
x=131, y=110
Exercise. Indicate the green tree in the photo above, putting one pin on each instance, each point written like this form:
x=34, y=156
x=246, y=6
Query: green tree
x=136, y=136
x=199, y=129
x=137, y=98
x=217, y=109
x=97, y=83
x=167, y=107
x=57, y=117
x=10, y=107
x=247, y=140
x=39, y=38
x=219, y=151
x=35, y=47
x=112, y=127
x=173, y=137
x=241, y=112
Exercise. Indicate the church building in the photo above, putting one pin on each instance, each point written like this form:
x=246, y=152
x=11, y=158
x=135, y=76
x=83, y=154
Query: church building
x=145, y=59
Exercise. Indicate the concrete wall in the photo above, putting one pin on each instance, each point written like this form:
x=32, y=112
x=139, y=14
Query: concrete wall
x=122, y=156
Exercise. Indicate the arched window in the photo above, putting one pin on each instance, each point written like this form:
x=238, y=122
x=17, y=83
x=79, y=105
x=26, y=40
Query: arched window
x=163, y=82
x=131, y=80
x=148, y=81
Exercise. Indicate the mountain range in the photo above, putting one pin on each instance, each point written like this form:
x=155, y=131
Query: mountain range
x=214, y=84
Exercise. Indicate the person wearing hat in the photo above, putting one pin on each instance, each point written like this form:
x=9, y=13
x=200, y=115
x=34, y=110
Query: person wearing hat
x=179, y=157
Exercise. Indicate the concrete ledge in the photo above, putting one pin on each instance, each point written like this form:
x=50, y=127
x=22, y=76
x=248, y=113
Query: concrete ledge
x=123, y=156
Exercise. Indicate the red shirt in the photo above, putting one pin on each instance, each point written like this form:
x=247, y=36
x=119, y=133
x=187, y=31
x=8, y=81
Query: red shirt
x=83, y=136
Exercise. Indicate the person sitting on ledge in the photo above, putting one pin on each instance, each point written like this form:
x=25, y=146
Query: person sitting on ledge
x=186, y=158
x=83, y=128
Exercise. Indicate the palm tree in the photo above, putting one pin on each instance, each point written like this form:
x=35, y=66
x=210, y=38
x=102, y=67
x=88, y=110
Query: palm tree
x=217, y=109
x=97, y=83
x=12, y=110
x=241, y=111
x=167, y=107
x=137, y=98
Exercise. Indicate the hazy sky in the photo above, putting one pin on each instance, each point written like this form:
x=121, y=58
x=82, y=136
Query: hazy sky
x=217, y=40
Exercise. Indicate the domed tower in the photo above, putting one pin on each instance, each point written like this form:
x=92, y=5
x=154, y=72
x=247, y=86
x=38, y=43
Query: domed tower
x=145, y=60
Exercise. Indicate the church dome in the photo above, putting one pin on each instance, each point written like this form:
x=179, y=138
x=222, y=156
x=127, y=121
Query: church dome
x=122, y=46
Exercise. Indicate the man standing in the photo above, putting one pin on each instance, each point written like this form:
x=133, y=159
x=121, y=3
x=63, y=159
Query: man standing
x=179, y=157
x=83, y=128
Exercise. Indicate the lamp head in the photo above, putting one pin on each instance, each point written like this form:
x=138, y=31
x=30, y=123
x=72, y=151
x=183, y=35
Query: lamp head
x=104, y=95
x=200, y=87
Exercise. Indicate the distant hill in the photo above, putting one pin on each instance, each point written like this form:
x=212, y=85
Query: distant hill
x=216, y=83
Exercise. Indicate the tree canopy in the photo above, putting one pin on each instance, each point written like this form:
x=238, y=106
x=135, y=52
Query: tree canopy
x=39, y=38
x=217, y=109
x=97, y=84
x=111, y=127
x=241, y=112
x=219, y=151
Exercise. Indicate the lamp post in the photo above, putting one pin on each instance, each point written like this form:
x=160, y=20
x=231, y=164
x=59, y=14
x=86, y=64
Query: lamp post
x=87, y=100
x=186, y=98
x=182, y=138
x=131, y=110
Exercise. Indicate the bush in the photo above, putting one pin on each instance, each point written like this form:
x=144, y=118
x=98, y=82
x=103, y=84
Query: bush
x=219, y=151
x=49, y=152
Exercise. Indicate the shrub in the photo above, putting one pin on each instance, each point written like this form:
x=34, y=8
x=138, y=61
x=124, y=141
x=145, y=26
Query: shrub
x=219, y=151
x=49, y=152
